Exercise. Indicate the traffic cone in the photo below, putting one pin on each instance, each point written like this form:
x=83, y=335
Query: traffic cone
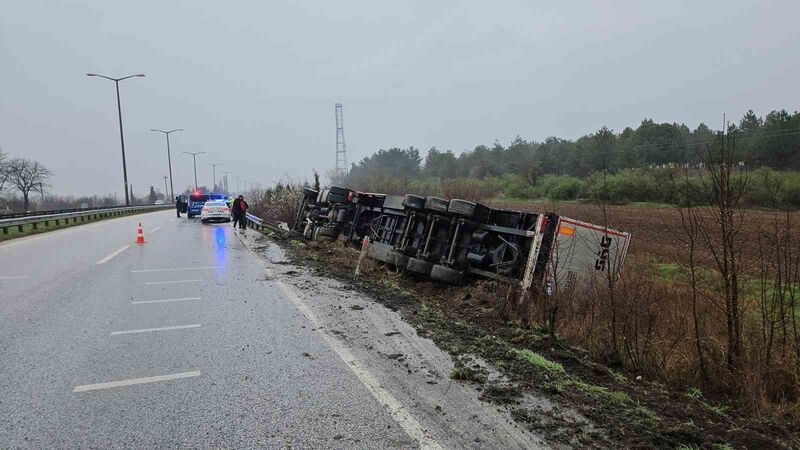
x=140, y=235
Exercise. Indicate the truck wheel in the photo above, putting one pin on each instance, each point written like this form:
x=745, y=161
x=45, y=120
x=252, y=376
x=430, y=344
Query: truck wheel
x=419, y=266
x=447, y=275
x=413, y=202
x=380, y=252
x=327, y=234
x=468, y=210
x=436, y=204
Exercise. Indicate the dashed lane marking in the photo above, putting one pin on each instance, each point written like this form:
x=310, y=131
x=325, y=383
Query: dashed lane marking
x=133, y=381
x=171, y=282
x=151, y=330
x=14, y=277
x=108, y=258
x=175, y=269
x=166, y=300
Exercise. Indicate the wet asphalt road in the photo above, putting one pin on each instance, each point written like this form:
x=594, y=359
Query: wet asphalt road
x=233, y=365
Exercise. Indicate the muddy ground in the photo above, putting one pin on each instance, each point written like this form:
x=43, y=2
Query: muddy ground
x=506, y=363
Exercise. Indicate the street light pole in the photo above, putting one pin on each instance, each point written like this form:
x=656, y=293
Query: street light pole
x=214, y=171
x=165, y=187
x=226, y=172
x=169, y=160
x=121, y=137
x=194, y=159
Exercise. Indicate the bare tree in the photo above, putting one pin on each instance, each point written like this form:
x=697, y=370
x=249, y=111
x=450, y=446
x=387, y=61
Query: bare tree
x=28, y=175
x=5, y=173
x=724, y=188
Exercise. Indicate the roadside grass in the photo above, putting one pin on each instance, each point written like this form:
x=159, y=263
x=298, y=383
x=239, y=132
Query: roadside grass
x=28, y=230
x=540, y=361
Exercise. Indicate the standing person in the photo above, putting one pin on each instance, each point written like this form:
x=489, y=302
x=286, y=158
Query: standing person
x=234, y=212
x=241, y=207
x=178, y=206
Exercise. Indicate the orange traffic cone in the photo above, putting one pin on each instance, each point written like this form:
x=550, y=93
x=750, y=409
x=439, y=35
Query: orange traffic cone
x=140, y=235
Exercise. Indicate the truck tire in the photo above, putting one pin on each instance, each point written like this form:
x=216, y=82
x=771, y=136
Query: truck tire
x=436, y=204
x=380, y=251
x=468, y=210
x=411, y=201
x=310, y=194
x=447, y=275
x=419, y=266
x=327, y=234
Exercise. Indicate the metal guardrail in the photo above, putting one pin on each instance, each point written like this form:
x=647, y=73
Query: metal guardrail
x=13, y=215
x=261, y=224
x=75, y=216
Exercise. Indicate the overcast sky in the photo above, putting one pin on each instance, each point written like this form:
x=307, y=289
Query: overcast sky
x=254, y=82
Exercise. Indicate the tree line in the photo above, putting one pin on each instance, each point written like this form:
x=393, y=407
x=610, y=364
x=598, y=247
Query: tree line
x=771, y=141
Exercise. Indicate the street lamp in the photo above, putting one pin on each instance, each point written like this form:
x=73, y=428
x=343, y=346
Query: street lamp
x=169, y=159
x=194, y=158
x=214, y=169
x=165, y=187
x=121, y=138
x=226, y=173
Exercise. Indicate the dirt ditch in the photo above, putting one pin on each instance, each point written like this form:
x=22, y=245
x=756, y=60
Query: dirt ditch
x=510, y=364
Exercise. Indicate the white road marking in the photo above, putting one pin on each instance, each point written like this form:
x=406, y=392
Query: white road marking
x=171, y=282
x=398, y=412
x=11, y=277
x=180, y=268
x=108, y=258
x=133, y=381
x=166, y=300
x=150, y=330
x=155, y=229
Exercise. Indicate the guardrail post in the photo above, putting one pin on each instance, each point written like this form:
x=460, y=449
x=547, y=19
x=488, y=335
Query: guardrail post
x=19, y=228
x=33, y=225
x=57, y=222
x=5, y=230
x=47, y=223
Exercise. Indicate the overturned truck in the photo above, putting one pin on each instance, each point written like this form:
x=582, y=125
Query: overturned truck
x=453, y=241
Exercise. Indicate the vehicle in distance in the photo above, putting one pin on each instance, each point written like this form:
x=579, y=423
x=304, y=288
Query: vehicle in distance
x=215, y=211
x=158, y=202
x=198, y=199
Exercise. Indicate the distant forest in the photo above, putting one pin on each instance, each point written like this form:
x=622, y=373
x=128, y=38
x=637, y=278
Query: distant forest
x=771, y=141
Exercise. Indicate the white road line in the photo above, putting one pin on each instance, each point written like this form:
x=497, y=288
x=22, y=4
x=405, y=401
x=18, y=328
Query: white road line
x=155, y=229
x=398, y=412
x=174, y=269
x=108, y=258
x=18, y=277
x=171, y=282
x=133, y=381
x=150, y=330
x=165, y=300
